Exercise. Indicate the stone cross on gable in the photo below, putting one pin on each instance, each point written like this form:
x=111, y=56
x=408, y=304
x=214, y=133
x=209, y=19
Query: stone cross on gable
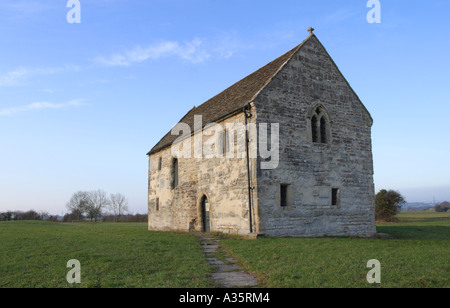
x=311, y=30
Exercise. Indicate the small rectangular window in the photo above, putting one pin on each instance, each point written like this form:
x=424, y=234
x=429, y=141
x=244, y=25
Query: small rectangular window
x=175, y=173
x=284, y=195
x=225, y=142
x=334, y=196
x=157, y=204
x=159, y=163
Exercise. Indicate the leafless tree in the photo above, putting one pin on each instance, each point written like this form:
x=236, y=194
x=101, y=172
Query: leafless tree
x=98, y=200
x=119, y=205
x=78, y=204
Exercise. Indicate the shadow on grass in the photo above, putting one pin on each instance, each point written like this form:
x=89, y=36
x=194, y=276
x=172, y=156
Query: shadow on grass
x=416, y=231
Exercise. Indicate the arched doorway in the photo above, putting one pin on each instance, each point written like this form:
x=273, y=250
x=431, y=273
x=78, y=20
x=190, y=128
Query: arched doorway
x=205, y=214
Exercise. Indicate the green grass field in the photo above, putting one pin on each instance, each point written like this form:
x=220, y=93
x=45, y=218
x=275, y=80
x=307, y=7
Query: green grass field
x=35, y=254
x=418, y=255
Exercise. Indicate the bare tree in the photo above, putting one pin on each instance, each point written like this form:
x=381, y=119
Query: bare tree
x=119, y=205
x=97, y=202
x=78, y=204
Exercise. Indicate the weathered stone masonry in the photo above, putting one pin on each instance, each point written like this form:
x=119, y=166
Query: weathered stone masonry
x=326, y=188
x=223, y=181
x=311, y=79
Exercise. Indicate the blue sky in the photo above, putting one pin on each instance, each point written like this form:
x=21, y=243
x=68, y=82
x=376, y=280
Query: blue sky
x=81, y=104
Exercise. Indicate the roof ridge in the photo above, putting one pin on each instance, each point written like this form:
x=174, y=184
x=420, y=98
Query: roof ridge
x=235, y=96
x=291, y=52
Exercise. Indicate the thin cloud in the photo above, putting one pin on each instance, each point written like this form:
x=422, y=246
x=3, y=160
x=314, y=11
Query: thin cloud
x=41, y=106
x=228, y=45
x=341, y=15
x=192, y=51
x=18, y=76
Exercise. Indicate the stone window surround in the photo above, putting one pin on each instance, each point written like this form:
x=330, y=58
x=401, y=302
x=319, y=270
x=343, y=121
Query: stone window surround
x=322, y=115
x=335, y=196
x=288, y=191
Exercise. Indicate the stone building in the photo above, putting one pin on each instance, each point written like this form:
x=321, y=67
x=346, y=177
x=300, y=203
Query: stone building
x=318, y=180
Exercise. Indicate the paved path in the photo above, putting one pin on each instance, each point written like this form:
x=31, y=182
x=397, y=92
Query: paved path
x=228, y=273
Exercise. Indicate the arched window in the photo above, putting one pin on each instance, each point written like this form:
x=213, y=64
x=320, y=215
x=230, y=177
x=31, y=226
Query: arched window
x=320, y=125
x=175, y=173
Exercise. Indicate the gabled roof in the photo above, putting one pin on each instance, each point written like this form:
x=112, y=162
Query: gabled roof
x=233, y=99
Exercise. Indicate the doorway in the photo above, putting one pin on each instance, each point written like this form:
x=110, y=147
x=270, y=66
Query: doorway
x=205, y=214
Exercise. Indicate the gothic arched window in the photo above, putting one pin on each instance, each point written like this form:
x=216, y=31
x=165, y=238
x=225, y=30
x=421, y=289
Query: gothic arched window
x=320, y=125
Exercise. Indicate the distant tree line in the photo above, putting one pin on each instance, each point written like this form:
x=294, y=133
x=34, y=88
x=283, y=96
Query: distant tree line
x=442, y=207
x=28, y=215
x=92, y=205
x=85, y=205
x=126, y=218
x=44, y=216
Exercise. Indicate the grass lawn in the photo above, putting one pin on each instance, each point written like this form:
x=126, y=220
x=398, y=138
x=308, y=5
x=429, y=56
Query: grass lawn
x=417, y=256
x=35, y=254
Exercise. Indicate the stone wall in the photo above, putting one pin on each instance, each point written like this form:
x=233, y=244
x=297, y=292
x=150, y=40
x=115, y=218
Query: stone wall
x=310, y=169
x=222, y=180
